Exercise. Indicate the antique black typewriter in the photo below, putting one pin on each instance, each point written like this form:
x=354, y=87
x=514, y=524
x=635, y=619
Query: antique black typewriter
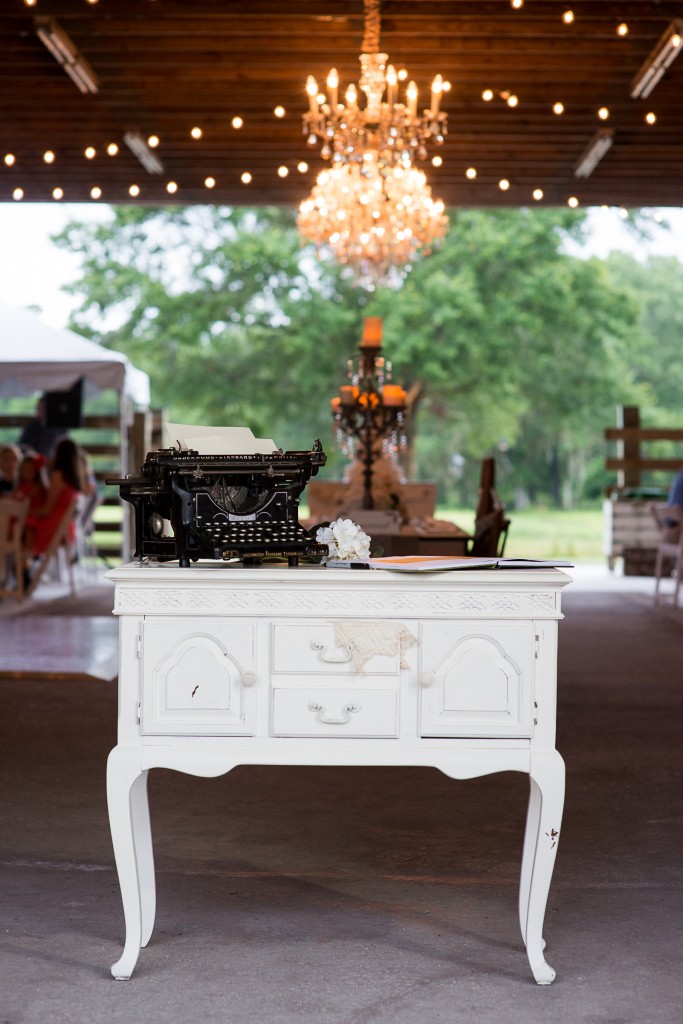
x=194, y=507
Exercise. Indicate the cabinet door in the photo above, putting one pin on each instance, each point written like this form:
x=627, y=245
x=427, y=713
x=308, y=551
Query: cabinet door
x=198, y=676
x=476, y=678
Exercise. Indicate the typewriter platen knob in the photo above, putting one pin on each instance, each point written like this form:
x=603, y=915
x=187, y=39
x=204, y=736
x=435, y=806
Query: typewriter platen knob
x=156, y=524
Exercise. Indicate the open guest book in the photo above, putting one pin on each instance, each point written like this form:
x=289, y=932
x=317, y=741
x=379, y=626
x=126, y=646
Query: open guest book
x=443, y=563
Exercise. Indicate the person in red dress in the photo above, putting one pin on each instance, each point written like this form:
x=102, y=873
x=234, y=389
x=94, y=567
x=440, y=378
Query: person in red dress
x=65, y=486
x=31, y=486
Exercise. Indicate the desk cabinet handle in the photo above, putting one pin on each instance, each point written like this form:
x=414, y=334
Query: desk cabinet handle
x=426, y=678
x=318, y=645
x=347, y=711
x=248, y=678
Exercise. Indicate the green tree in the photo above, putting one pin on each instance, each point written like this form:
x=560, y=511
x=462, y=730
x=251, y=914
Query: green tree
x=506, y=336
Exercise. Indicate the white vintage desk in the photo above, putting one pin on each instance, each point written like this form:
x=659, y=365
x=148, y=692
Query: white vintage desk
x=221, y=666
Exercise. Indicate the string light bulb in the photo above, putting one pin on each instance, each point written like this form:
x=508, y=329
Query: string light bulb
x=245, y=177
x=568, y=17
x=196, y=133
x=48, y=156
x=209, y=182
x=237, y=122
x=153, y=141
x=96, y=192
x=134, y=191
x=112, y=149
x=89, y=152
x=471, y=173
x=558, y=108
x=573, y=202
x=603, y=113
x=651, y=117
x=537, y=194
x=18, y=194
x=622, y=29
x=279, y=111
x=9, y=159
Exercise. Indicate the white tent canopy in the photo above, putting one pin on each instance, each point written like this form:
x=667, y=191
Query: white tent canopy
x=35, y=357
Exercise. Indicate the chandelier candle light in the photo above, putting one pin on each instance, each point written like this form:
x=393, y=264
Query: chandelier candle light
x=370, y=408
x=373, y=208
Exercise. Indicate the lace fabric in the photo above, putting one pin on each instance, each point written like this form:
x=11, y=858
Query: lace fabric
x=364, y=640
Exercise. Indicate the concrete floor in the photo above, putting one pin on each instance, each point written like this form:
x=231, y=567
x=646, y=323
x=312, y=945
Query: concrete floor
x=358, y=896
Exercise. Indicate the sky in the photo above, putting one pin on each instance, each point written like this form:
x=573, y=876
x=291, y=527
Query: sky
x=34, y=271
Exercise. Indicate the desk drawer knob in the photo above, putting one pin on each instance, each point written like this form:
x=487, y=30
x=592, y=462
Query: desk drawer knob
x=426, y=678
x=347, y=711
x=248, y=678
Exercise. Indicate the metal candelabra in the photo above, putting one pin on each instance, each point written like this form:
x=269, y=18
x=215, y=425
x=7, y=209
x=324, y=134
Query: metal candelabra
x=370, y=408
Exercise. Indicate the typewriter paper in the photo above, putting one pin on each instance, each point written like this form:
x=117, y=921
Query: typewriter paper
x=217, y=440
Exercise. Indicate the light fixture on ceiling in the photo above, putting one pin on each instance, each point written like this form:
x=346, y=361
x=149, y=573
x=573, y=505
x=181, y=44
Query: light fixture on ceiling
x=140, y=149
x=594, y=152
x=396, y=130
x=374, y=219
x=66, y=53
x=662, y=57
x=373, y=209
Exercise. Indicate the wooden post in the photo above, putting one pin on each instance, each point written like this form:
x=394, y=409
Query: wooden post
x=139, y=439
x=629, y=451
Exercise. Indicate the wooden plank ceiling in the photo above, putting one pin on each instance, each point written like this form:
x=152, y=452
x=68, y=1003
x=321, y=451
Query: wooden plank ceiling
x=165, y=67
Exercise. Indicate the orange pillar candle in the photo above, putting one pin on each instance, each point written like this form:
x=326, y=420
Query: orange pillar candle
x=372, y=332
x=394, y=395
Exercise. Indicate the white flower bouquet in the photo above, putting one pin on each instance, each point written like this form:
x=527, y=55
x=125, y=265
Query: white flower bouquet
x=345, y=540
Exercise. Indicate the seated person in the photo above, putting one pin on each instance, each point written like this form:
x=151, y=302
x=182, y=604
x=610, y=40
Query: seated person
x=31, y=485
x=9, y=465
x=65, y=486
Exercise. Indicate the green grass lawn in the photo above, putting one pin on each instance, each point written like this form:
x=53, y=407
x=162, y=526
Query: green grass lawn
x=546, y=533
x=534, y=532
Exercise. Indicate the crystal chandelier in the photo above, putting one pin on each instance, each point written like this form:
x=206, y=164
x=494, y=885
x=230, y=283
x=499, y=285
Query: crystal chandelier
x=373, y=209
x=374, y=219
x=394, y=130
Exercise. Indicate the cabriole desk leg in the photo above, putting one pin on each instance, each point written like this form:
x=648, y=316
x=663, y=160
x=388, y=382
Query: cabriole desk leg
x=132, y=840
x=544, y=818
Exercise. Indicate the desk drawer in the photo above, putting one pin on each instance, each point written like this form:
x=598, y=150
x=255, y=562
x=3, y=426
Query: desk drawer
x=304, y=648
x=338, y=711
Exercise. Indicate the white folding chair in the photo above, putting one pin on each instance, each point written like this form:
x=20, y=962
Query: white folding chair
x=670, y=548
x=12, y=518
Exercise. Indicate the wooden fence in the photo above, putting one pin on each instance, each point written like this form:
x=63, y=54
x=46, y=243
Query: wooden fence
x=629, y=462
x=629, y=530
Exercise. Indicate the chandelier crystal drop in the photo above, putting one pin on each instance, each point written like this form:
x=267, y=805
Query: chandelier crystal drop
x=373, y=218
